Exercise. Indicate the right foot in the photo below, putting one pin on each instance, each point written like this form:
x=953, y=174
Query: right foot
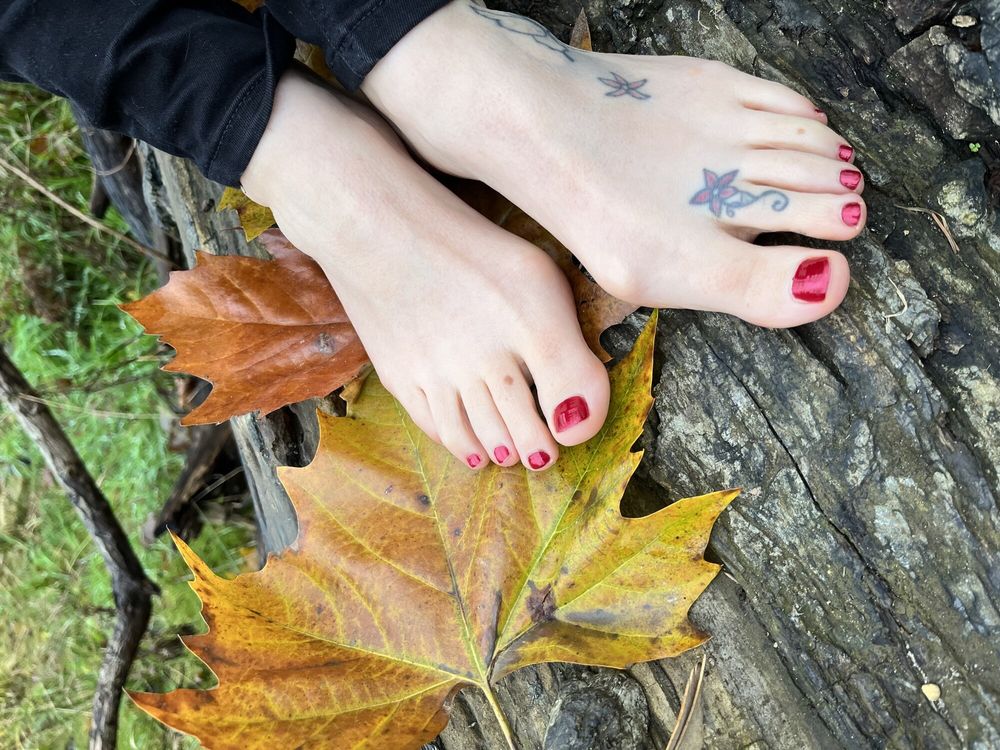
x=459, y=317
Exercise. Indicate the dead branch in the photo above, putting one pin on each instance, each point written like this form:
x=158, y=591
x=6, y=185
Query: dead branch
x=133, y=591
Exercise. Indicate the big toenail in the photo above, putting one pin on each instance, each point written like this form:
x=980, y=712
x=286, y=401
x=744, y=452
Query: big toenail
x=473, y=460
x=538, y=459
x=812, y=277
x=570, y=412
x=845, y=152
x=850, y=178
x=851, y=214
x=501, y=453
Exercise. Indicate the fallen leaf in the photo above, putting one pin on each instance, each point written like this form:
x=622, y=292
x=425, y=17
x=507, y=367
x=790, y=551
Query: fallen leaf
x=264, y=333
x=413, y=577
x=250, y=5
x=254, y=218
x=579, y=37
x=311, y=55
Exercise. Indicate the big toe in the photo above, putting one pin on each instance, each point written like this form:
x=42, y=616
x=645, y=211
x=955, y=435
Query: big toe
x=776, y=287
x=573, y=391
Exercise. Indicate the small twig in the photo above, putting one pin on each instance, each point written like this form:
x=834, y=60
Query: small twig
x=902, y=297
x=92, y=387
x=83, y=410
x=120, y=166
x=941, y=223
x=32, y=182
x=217, y=483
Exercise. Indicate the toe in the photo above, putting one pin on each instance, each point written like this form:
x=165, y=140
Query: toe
x=777, y=287
x=771, y=131
x=769, y=96
x=488, y=425
x=414, y=402
x=573, y=391
x=532, y=439
x=802, y=172
x=825, y=217
x=453, y=427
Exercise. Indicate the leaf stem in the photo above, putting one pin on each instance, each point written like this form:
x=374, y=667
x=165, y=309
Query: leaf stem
x=501, y=717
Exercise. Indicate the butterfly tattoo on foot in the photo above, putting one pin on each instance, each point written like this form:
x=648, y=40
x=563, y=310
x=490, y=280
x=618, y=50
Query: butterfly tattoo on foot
x=621, y=86
x=720, y=195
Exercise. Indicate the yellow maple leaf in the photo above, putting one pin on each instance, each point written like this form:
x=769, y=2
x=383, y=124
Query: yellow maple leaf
x=413, y=577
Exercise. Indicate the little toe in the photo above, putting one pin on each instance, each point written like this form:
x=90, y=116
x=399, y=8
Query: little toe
x=453, y=427
x=414, y=402
x=772, y=131
x=777, y=287
x=805, y=173
x=489, y=425
x=532, y=439
x=573, y=391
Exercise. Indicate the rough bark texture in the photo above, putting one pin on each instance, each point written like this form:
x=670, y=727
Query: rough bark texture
x=862, y=561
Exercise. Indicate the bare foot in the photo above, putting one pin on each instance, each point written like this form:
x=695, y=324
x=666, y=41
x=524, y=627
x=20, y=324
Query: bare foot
x=458, y=316
x=657, y=172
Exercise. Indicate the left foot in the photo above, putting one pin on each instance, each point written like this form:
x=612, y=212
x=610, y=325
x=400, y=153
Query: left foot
x=657, y=172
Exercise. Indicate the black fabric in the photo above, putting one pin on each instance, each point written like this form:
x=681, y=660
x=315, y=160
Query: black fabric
x=353, y=35
x=195, y=78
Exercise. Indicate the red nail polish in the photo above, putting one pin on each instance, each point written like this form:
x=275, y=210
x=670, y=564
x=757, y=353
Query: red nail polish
x=570, y=412
x=501, y=453
x=473, y=460
x=538, y=459
x=850, y=178
x=851, y=214
x=819, y=111
x=812, y=277
x=845, y=152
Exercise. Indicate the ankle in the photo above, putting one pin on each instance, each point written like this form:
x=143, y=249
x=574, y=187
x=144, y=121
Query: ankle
x=313, y=136
x=459, y=87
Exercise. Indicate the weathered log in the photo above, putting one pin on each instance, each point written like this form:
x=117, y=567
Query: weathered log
x=862, y=561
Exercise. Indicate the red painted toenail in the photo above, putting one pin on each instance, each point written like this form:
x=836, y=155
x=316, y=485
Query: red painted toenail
x=850, y=178
x=819, y=111
x=812, y=277
x=845, y=152
x=851, y=214
x=570, y=412
x=501, y=453
x=473, y=460
x=538, y=459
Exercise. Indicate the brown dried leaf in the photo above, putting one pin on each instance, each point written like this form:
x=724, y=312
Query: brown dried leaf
x=579, y=37
x=265, y=333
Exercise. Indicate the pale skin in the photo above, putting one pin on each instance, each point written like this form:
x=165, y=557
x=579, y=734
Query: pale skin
x=657, y=172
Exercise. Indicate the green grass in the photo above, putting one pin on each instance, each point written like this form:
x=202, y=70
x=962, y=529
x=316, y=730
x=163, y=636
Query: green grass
x=61, y=281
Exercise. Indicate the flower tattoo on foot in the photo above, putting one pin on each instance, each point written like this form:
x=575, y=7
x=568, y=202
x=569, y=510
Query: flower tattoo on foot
x=719, y=194
x=621, y=86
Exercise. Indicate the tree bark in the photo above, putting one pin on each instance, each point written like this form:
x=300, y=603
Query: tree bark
x=133, y=591
x=862, y=561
